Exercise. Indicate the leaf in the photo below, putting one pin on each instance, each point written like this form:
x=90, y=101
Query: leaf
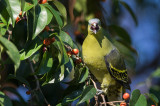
x=134, y=97
x=64, y=55
x=4, y=16
x=88, y=93
x=4, y=100
x=66, y=38
x=13, y=8
x=31, y=48
x=27, y=6
x=141, y=101
x=130, y=11
x=50, y=16
x=84, y=75
x=46, y=63
x=56, y=14
x=12, y=51
x=41, y=22
x=20, y=79
x=120, y=32
x=156, y=73
x=153, y=98
x=71, y=97
x=62, y=10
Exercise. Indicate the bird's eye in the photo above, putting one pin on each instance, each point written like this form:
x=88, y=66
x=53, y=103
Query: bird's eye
x=92, y=28
x=97, y=27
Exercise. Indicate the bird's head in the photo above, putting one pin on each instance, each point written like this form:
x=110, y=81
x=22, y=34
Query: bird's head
x=94, y=25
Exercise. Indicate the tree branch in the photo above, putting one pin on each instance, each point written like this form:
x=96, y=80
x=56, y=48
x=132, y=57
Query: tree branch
x=37, y=82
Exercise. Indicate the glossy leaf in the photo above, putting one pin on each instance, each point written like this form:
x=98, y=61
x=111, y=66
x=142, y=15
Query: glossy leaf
x=4, y=100
x=66, y=38
x=153, y=98
x=12, y=51
x=49, y=16
x=20, y=79
x=88, y=93
x=141, y=101
x=71, y=97
x=56, y=14
x=41, y=21
x=130, y=11
x=31, y=48
x=84, y=75
x=27, y=6
x=64, y=55
x=134, y=97
x=46, y=63
x=62, y=10
x=14, y=8
x=120, y=32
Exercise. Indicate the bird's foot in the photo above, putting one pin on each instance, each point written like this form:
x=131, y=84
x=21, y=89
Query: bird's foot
x=99, y=92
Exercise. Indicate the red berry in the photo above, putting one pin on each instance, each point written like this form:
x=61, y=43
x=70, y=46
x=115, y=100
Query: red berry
x=75, y=51
x=123, y=104
x=47, y=28
x=76, y=33
x=78, y=61
x=152, y=105
x=28, y=92
x=126, y=96
x=42, y=1
x=17, y=19
x=20, y=13
x=46, y=42
x=69, y=53
x=44, y=49
x=53, y=39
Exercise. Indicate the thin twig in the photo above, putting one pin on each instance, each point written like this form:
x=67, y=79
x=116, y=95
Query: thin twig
x=103, y=98
x=96, y=97
x=37, y=82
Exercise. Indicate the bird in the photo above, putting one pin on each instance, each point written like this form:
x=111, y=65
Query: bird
x=105, y=61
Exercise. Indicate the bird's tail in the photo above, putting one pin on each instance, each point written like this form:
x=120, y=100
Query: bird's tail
x=115, y=93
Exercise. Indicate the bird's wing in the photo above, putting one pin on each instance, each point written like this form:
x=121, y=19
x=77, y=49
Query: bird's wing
x=116, y=67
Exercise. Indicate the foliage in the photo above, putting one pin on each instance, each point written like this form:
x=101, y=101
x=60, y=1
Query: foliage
x=42, y=59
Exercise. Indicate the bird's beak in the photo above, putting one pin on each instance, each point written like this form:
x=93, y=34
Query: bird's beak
x=95, y=28
x=94, y=31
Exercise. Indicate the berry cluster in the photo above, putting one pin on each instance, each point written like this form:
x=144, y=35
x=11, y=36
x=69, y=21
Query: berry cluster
x=75, y=52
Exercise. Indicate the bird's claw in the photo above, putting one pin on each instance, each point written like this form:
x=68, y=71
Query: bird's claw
x=99, y=92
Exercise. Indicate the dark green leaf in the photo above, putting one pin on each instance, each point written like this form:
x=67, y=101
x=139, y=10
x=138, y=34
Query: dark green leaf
x=141, y=101
x=56, y=14
x=31, y=48
x=4, y=16
x=20, y=79
x=27, y=6
x=41, y=21
x=11, y=50
x=66, y=38
x=64, y=57
x=4, y=100
x=62, y=10
x=84, y=75
x=120, y=32
x=19, y=34
x=153, y=98
x=130, y=11
x=46, y=63
x=134, y=97
x=71, y=97
x=14, y=8
x=88, y=93
x=50, y=16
